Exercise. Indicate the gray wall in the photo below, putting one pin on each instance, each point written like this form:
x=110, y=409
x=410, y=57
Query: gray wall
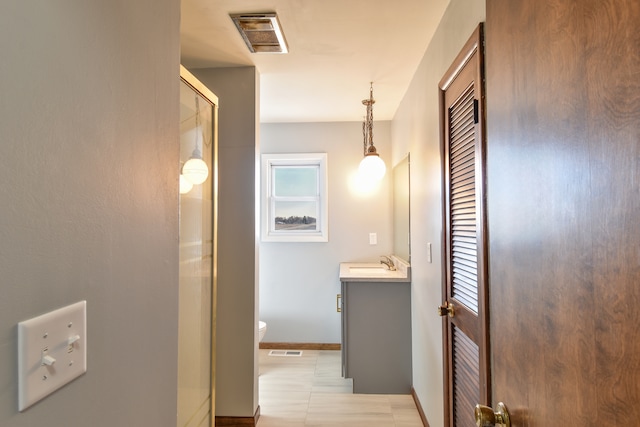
x=299, y=281
x=415, y=128
x=236, y=330
x=89, y=171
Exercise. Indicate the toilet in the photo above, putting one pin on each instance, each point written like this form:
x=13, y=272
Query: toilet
x=262, y=329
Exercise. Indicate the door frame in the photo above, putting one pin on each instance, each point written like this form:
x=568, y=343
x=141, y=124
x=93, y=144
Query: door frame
x=474, y=46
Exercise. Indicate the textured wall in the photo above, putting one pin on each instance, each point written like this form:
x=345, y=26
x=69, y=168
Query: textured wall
x=89, y=200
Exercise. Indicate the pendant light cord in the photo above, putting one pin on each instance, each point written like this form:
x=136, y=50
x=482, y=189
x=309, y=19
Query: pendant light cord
x=367, y=125
x=197, y=120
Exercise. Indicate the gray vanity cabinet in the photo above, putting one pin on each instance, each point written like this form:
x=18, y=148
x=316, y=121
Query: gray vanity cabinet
x=376, y=336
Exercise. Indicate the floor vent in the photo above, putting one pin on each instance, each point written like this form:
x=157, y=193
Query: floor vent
x=285, y=353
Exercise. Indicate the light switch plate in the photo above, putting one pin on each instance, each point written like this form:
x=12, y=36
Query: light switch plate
x=52, y=351
x=373, y=238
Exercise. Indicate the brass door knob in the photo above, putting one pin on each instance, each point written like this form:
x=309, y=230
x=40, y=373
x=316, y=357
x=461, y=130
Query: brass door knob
x=486, y=417
x=446, y=309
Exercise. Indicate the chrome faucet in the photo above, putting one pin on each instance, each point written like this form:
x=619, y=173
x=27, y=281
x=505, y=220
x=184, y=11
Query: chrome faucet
x=388, y=262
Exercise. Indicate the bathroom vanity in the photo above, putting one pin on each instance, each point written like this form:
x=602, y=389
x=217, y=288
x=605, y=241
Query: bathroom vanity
x=376, y=327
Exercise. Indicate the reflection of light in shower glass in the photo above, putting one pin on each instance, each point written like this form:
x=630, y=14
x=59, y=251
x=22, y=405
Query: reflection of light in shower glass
x=195, y=169
x=185, y=185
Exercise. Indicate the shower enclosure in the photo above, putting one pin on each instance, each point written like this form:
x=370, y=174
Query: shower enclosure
x=197, y=242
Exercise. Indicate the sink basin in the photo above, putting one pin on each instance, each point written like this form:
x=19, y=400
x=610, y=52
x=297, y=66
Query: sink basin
x=368, y=270
x=372, y=272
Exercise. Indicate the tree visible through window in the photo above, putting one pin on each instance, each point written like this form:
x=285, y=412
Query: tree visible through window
x=294, y=197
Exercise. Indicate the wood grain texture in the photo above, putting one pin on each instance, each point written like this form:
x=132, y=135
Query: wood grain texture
x=238, y=421
x=467, y=373
x=466, y=378
x=563, y=162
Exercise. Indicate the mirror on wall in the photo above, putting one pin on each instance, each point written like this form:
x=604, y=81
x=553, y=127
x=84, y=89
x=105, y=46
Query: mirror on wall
x=401, y=230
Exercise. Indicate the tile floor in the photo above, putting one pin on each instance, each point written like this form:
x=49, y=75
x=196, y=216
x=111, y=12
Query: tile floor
x=308, y=390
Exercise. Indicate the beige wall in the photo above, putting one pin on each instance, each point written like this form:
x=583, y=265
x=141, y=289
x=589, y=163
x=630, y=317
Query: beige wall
x=415, y=128
x=89, y=201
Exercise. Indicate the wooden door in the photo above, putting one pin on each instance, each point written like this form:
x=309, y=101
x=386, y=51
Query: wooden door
x=465, y=317
x=563, y=184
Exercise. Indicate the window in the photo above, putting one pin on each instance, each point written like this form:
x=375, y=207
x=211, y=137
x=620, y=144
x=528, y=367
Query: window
x=294, y=197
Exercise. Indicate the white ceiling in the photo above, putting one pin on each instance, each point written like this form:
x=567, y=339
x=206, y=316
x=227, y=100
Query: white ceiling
x=336, y=47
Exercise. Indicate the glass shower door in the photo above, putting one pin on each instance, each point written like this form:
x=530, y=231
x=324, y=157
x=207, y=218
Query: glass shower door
x=196, y=336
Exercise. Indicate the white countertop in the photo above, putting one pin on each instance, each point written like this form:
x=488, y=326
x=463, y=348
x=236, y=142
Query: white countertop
x=374, y=272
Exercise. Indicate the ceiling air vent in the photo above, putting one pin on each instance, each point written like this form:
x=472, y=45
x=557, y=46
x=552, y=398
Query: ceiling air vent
x=261, y=32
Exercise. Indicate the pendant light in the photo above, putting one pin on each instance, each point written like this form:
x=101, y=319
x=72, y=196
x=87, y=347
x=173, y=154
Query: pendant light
x=185, y=185
x=195, y=169
x=372, y=167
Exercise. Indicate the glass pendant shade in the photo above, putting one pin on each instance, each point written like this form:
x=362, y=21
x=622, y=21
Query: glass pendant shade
x=372, y=167
x=195, y=169
x=185, y=185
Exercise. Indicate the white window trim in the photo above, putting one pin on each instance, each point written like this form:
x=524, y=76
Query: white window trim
x=297, y=159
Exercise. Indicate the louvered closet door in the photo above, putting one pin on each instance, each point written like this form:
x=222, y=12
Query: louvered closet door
x=464, y=309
